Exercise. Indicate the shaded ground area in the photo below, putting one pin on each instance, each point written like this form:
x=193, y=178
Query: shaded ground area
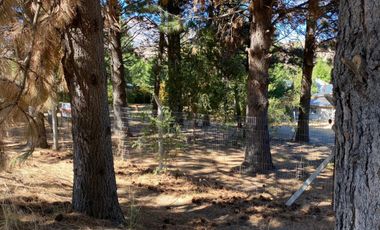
x=200, y=190
x=321, y=133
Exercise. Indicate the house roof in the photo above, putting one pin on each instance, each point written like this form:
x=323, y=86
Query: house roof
x=320, y=101
x=323, y=87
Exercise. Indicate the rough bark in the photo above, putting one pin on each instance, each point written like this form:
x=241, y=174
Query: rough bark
x=175, y=81
x=37, y=134
x=302, y=133
x=3, y=158
x=357, y=124
x=257, y=154
x=237, y=106
x=41, y=138
x=94, y=188
x=119, y=93
x=157, y=71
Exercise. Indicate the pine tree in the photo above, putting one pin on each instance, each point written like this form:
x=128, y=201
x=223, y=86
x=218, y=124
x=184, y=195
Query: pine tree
x=94, y=189
x=357, y=124
x=257, y=154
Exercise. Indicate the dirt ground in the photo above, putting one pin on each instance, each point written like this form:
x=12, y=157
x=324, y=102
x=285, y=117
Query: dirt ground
x=199, y=190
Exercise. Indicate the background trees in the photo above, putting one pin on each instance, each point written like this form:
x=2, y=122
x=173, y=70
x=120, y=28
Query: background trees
x=320, y=15
x=175, y=79
x=214, y=58
x=119, y=94
x=302, y=133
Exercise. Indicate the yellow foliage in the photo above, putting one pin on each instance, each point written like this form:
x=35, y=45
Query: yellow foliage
x=30, y=55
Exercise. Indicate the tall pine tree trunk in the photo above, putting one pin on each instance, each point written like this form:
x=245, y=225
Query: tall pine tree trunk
x=157, y=68
x=175, y=81
x=357, y=122
x=117, y=70
x=94, y=189
x=302, y=133
x=237, y=106
x=257, y=154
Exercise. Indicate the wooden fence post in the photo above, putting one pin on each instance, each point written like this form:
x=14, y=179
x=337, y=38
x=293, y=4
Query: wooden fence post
x=54, y=127
x=161, y=150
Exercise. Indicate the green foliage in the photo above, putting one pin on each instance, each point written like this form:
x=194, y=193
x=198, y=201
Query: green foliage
x=139, y=78
x=284, y=88
x=174, y=25
x=278, y=111
x=322, y=70
x=171, y=136
x=281, y=78
x=211, y=74
x=139, y=72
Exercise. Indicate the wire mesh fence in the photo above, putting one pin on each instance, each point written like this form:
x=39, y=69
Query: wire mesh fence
x=214, y=147
x=202, y=135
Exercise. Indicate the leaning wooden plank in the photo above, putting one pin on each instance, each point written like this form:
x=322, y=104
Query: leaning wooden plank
x=309, y=180
x=157, y=101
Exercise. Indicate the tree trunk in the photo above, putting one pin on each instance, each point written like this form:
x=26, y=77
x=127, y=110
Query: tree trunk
x=357, y=124
x=41, y=138
x=206, y=121
x=94, y=189
x=37, y=136
x=210, y=12
x=175, y=81
x=119, y=93
x=302, y=133
x=237, y=106
x=257, y=154
x=157, y=71
x=225, y=108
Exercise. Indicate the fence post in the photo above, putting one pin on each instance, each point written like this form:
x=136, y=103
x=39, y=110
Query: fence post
x=55, y=127
x=160, y=116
